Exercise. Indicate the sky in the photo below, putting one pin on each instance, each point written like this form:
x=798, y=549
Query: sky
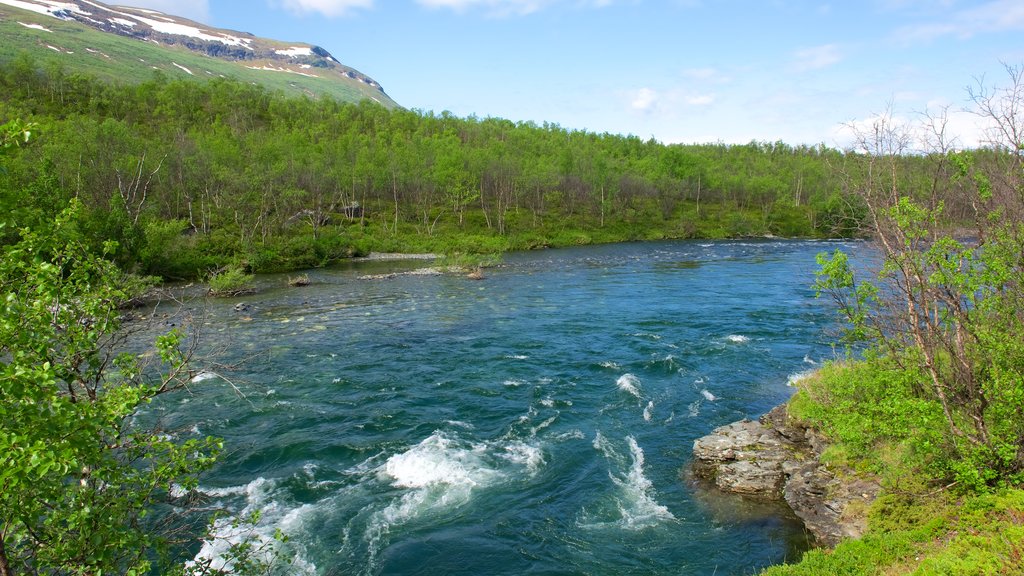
x=678, y=71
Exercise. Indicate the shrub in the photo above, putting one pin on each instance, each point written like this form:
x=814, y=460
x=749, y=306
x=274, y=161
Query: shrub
x=231, y=282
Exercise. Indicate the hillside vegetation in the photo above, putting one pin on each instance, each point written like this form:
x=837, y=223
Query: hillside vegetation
x=56, y=44
x=190, y=176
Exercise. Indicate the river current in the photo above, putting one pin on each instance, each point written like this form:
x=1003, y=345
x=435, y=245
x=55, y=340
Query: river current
x=538, y=421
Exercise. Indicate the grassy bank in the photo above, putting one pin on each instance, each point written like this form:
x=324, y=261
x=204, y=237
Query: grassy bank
x=923, y=523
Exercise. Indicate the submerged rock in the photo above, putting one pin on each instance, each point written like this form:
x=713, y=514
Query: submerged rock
x=776, y=458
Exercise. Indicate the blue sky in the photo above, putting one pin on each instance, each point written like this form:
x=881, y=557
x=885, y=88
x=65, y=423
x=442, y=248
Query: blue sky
x=675, y=70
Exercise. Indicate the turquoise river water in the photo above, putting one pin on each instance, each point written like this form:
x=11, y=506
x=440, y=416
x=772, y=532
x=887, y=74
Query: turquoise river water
x=538, y=421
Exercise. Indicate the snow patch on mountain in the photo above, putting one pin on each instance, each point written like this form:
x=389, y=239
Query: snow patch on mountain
x=167, y=25
x=36, y=27
x=185, y=30
x=48, y=7
x=276, y=69
x=295, y=51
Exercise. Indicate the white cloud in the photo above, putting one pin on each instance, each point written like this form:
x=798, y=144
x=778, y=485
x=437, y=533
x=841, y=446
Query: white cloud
x=993, y=16
x=643, y=100
x=651, y=101
x=700, y=99
x=494, y=7
x=198, y=10
x=960, y=128
x=329, y=8
x=817, y=57
x=509, y=7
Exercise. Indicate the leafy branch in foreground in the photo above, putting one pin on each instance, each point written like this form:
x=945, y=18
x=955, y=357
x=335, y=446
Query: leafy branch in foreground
x=78, y=479
x=14, y=133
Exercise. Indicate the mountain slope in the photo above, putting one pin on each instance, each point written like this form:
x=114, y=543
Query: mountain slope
x=128, y=44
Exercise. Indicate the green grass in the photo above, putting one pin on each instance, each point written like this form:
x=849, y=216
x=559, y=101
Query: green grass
x=921, y=524
x=928, y=534
x=120, y=59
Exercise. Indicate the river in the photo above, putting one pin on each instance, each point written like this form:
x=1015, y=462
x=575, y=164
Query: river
x=537, y=421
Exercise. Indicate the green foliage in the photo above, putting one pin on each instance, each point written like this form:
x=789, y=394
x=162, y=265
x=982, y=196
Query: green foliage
x=946, y=317
x=928, y=535
x=934, y=407
x=233, y=281
x=76, y=477
x=284, y=183
x=878, y=423
x=469, y=262
x=943, y=313
x=869, y=409
x=14, y=133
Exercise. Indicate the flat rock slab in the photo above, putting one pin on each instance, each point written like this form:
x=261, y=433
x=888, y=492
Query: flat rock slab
x=745, y=457
x=773, y=458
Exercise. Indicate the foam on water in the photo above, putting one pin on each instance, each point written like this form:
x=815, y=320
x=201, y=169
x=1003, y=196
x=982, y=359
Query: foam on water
x=204, y=375
x=647, y=410
x=529, y=455
x=543, y=425
x=274, y=515
x=635, y=505
x=609, y=365
x=437, y=461
x=459, y=424
x=795, y=379
x=601, y=444
x=737, y=339
x=570, y=435
x=638, y=507
x=629, y=383
x=440, y=474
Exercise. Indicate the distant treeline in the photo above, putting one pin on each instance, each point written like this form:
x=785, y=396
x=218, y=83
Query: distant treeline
x=188, y=176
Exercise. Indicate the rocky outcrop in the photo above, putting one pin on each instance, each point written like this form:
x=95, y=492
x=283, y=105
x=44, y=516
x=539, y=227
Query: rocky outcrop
x=774, y=457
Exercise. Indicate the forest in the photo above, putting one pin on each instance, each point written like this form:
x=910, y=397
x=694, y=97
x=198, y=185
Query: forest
x=188, y=177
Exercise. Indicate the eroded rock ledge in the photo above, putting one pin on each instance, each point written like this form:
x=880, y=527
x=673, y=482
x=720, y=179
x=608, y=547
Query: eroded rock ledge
x=774, y=457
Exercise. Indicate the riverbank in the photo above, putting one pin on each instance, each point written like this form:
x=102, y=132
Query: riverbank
x=878, y=511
